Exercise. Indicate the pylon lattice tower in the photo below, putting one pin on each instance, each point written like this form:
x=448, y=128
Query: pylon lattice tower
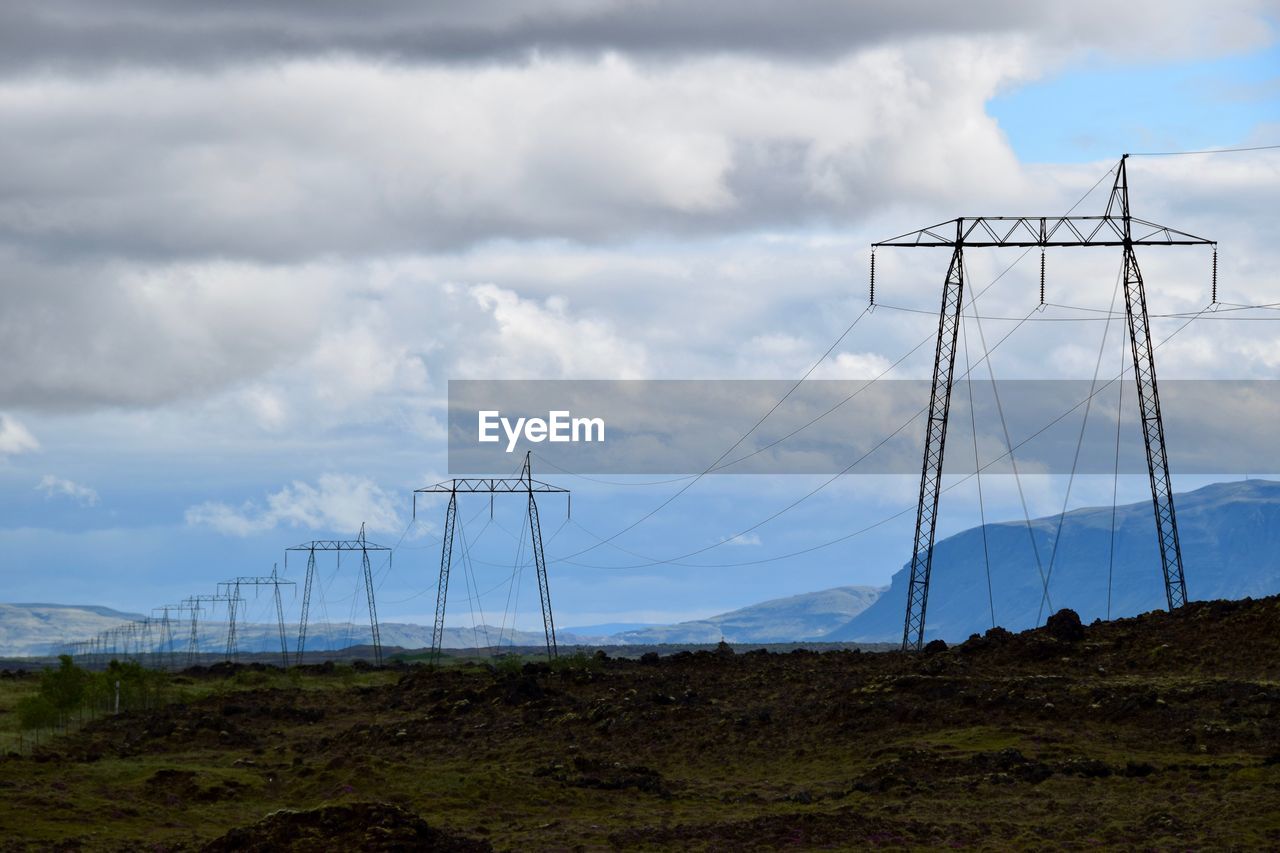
x=195, y=604
x=166, y=631
x=363, y=546
x=231, y=589
x=1115, y=228
x=524, y=484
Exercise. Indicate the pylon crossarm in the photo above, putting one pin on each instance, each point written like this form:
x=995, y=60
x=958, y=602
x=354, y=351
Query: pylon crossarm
x=977, y=232
x=489, y=485
x=256, y=581
x=338, y=545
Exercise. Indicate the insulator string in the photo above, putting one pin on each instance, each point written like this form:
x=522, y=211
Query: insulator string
x=1214, y=300
x=873, y=278
x=1042, y=278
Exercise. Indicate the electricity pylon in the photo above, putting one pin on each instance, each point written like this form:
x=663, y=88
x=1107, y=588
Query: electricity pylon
x=231, y=588
x=166, y=630
x=1116, y=228
x=338, y=545
x=195, y=604
x=524, y=484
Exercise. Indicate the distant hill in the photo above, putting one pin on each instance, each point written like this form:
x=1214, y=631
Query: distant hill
x=800, y=617
x=1230, y=540
x=809, y=616
x=33, y=629
x=1230, y=535
x=28, y=630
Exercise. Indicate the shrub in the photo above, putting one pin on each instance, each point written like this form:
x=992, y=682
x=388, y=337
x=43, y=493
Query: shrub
x=64, y=688
x=36, y=712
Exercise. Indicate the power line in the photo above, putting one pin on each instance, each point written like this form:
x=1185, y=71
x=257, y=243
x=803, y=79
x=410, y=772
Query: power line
x=716, y=464
x=734, y=446
x=885, y=520
x=1204, y=151
x=977, y=470
x=906, y=423
x=1103, y=313
x=1075, y=461
x=1004, y=426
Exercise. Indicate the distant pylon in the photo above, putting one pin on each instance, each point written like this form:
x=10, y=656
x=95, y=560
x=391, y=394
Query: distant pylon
x=524, y=484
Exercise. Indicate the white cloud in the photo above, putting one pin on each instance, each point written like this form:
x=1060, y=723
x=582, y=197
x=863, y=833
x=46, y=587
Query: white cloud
x=267, y=407
x=15, y=438
x=530, y=339
x=362, y=360
x=78, y=335
x=605, y=212
x=54, y=486
x=336, y=502
x=255, y=162
x=856, y=365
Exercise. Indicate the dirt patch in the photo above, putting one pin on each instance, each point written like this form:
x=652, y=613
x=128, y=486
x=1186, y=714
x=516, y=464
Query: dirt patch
x=356, y=826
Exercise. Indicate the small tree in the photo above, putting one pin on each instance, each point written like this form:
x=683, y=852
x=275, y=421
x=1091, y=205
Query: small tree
x=35, y=712
x=64, y=687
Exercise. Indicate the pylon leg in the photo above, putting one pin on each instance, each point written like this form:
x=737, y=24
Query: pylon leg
x=544, y=589
x=284, y=646
x=1144, y=372
x=306, y=607
x=944, y=364
x=373, y=610
x=232, y=650
x=442, y=586
x=193, y=643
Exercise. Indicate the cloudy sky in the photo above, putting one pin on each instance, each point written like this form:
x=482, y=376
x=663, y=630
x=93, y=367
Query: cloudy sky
x=245, y=247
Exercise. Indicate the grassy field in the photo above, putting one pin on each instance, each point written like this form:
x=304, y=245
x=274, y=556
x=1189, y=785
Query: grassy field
x=1156, y=733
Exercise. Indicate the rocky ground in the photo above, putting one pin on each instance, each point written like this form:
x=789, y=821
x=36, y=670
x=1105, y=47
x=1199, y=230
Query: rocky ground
x=1161, y=732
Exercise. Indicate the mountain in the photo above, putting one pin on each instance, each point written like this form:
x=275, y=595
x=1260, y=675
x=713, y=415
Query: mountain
x=608, y=628
x=808, y=616
x=33, y=629
x=265, y=637
x=1230, y=536
x=799, y=617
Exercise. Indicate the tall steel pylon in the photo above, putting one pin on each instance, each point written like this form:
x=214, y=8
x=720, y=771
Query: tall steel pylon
x=363, y=546
x=193, y=607
x=196, y=604
x=231, y=588
x=166, y=629
x=524, y=484
x=165, y=646
x=1115, y=228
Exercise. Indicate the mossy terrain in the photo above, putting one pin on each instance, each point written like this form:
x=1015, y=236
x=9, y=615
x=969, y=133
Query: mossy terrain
x=1160, y=732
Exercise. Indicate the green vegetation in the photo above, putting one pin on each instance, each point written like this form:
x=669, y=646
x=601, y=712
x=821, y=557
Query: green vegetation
x=68, y=694
x=41, y=705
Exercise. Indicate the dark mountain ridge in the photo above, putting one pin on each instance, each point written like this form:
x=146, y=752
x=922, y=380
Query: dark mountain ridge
x=1230, y=536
